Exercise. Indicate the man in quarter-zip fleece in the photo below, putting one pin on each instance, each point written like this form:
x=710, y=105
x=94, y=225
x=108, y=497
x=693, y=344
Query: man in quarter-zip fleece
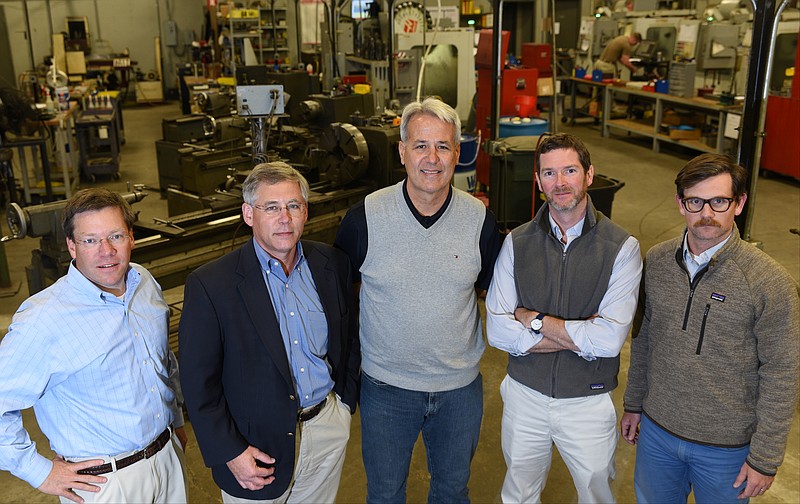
x=714, y=365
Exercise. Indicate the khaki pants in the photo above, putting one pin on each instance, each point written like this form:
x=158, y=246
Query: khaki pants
x=319, y=457
x=584, y=429
x=161, y=478
x=606, y=68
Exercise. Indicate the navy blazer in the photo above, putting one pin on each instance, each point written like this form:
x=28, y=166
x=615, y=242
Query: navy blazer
x=235, y=374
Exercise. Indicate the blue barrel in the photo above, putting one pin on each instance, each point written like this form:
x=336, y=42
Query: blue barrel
x=464, y=177
x=508, y=128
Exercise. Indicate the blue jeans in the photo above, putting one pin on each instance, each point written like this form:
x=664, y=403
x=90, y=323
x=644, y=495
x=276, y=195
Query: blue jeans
x=668, y=468
x=391, y=420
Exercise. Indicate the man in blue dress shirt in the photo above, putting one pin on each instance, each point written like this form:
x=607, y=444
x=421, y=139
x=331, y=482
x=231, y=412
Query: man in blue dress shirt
x=269, y=352
x=90, y=355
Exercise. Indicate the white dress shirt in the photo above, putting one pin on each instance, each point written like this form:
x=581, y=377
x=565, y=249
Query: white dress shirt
x=602, y=336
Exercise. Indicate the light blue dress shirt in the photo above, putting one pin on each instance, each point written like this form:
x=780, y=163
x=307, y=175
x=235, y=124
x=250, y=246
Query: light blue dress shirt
x=97, y=370
x=695, y=263
x=304, y=328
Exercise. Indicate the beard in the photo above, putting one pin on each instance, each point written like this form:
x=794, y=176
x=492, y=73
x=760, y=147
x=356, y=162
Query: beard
x=569, y=205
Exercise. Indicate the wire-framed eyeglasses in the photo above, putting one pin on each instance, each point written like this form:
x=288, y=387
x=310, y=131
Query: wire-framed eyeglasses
x=114, y=240
x=295, y=208
x=718, y=204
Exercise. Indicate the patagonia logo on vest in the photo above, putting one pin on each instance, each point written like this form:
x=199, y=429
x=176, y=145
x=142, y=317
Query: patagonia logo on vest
x=597, y=386
x=717, y=297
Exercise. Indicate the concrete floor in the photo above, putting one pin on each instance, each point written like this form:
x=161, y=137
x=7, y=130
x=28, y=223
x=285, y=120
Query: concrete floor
x=645, y=206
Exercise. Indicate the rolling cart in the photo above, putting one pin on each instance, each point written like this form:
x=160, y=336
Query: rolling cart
x=99, y=142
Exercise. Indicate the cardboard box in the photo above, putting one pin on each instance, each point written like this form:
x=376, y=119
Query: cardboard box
x=149, y=91
x=676, y=118
x=685, y=134
x=544, y=86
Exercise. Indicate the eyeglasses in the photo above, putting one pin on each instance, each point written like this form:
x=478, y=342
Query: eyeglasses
x=718, y=204
x=295, y=208
x=114, y=240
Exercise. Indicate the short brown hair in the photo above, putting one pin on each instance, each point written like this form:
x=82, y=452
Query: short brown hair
x=563, y=141
x=706, y=166
x=92, y=200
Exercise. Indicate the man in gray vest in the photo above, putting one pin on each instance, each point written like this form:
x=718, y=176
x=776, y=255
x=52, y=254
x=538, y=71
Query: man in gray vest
x=562, y=310
x=421, y=248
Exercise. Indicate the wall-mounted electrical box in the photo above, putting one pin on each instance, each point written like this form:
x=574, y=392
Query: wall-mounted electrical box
x=717, y=49
x=259, y=100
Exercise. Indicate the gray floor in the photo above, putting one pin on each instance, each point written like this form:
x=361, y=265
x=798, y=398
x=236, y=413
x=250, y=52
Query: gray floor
x=645, y=206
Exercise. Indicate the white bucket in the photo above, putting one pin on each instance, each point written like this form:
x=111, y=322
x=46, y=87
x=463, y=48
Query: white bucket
x=63, y=98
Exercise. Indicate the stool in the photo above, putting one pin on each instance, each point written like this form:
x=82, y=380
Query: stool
x=34, y=144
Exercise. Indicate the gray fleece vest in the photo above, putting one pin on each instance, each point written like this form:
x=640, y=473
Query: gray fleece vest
x=568, y=285
x=420, y=326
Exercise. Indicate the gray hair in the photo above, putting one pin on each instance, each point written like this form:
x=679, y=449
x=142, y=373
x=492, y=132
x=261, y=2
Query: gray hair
x=272, y=173
x=435, y=107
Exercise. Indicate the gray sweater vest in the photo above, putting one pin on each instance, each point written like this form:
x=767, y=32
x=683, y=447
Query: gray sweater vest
x=420, y=326
x=568, y=285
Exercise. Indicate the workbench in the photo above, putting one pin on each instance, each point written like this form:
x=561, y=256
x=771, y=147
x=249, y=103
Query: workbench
x=716, y=116
x=596, y=95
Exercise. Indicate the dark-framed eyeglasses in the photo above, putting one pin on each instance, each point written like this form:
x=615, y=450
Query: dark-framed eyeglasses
x=718, y=204
x=295, y=208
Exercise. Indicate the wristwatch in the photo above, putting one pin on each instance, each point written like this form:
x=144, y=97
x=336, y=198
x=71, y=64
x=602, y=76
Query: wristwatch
x=536, y=324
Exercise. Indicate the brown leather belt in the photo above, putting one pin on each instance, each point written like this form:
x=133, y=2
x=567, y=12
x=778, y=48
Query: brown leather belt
x=309, y=413
x=153, y=448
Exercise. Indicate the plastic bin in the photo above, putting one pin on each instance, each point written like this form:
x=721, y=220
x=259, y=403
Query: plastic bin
x=601, y=191
x=464, y=175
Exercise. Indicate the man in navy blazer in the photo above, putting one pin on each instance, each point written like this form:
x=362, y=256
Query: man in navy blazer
x=269, y=352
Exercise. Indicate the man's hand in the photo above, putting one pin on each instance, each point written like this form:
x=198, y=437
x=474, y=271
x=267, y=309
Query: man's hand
x=248, y=473
x=757, y=483
x=64, y=477
x=629, y=425
x=180, y=433
x=524, y=316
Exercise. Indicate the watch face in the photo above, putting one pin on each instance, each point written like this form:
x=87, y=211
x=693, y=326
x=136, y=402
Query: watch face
x=411, y=17
x=536, y=324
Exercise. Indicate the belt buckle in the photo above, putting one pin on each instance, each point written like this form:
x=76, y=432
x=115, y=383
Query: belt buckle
x=150, y=450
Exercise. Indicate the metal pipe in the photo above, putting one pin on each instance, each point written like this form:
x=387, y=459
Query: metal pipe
x=49, y=16
x=390, y=56
x=97, y=20
x=554, y=106
x=28, y=34
x=762, y=119
x=298, y=34
x=497, y=66
x=159, y=60
x=753, y=102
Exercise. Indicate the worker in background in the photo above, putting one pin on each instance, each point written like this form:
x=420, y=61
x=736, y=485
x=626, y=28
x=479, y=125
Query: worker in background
x=620, y=49
x=421, y=249
x=713, y=377
x=90, y=354
x=562, y=300
x=269, y=350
